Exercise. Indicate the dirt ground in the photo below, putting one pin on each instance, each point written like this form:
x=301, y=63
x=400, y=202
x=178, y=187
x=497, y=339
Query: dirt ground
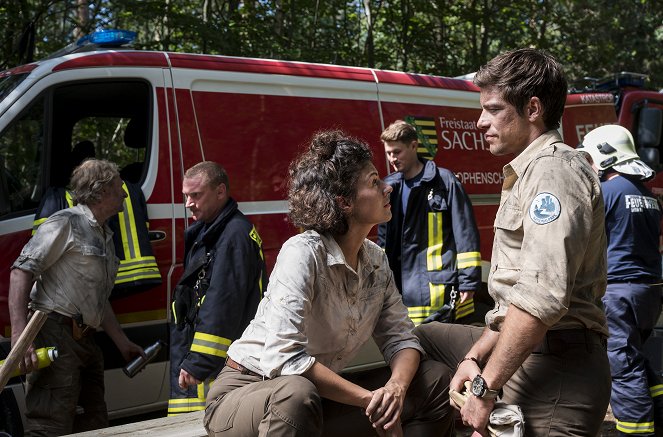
x=608, y=429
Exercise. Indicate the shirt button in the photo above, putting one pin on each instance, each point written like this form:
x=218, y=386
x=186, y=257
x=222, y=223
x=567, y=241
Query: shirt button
x=339, y=358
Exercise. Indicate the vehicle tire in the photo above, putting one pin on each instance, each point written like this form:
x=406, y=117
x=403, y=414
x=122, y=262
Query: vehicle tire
x=11, y=423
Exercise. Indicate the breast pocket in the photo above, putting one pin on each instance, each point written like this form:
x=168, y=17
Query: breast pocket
x=89, y=250
x=508, y=236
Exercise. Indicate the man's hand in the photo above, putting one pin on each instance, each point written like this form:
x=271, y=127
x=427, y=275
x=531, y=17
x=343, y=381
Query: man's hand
x=186, y=379
x=30, y=361
x=476, y=412
x=130, y=350
x=466, y=295
x=385, y=408
x=467, y=370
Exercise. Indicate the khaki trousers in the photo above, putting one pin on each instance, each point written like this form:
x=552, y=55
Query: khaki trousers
x=565, y=393
x=245, y=405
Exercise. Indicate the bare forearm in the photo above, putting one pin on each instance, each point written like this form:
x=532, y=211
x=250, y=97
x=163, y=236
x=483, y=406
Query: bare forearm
x=112, y=327
x=20, y=284
x=520, y=333
x=483, y=348
x=334, y=387
x=404, y=365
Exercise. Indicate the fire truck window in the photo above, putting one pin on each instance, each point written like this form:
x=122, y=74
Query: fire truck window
x=21, y=147
x=100, y=113
x=107, y=135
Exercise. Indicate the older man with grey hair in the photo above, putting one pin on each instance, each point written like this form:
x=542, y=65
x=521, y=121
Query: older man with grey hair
x=67, y=270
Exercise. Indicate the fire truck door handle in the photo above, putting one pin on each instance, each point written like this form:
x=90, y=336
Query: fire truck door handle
x=157, y=235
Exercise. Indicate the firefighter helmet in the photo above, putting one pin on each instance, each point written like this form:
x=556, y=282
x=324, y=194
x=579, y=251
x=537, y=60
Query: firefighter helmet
x=609, y=145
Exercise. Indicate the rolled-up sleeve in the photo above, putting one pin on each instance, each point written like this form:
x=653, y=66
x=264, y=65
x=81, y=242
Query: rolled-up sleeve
x=45, y=247
x=393, y=331
x=289, y=305
x=552, y=252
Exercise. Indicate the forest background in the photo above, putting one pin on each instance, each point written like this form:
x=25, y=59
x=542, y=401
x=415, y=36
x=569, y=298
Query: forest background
x=592, y=38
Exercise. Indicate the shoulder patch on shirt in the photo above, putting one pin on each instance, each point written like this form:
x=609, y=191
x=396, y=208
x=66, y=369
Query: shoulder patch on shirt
x=544, y=209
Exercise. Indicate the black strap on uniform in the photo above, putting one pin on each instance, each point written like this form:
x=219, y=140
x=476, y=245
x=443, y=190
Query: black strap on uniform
x=200, y=287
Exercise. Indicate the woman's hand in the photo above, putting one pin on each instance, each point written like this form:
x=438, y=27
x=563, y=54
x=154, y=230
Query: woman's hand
x=385, y=408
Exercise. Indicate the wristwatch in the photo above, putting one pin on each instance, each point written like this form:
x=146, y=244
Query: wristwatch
x=480, y=388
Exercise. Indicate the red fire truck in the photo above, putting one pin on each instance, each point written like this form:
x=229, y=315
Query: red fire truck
x=252, y=116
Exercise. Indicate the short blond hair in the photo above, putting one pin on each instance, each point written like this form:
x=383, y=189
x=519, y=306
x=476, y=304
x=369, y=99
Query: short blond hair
x=400, y=131
x=212, y=173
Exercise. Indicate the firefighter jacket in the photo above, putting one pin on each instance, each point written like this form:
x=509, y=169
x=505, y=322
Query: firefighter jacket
x=138, y=268
x=216, y=298
x=435, y=246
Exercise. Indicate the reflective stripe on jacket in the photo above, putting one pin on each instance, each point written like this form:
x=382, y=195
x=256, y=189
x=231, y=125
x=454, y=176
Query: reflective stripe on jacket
x=138, y=267
x=437, y=245
x=225, y=302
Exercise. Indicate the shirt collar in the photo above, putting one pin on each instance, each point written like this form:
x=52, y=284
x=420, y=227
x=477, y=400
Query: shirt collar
x=87, y=212
x=520, y=162
x=335, y=255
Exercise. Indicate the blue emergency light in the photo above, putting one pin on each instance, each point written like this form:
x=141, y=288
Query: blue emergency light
x=108, y=37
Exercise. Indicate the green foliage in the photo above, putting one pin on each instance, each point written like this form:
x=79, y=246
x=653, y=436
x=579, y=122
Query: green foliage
x=444, y=37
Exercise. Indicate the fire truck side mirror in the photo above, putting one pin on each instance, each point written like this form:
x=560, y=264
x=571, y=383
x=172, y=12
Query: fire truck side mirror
x=648, y=136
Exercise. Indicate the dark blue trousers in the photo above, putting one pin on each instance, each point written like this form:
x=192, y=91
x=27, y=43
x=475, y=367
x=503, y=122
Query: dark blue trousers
x=637, y=392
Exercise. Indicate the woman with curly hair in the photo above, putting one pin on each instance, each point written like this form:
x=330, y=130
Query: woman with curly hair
x=330, y=291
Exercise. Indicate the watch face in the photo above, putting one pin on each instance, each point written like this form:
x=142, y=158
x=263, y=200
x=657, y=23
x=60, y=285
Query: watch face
x=478, y=386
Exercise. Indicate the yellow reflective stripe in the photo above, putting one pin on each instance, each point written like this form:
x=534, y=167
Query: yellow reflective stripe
x=172, y=308
x=656, y=390
x=184, y=401
x=37, y=223
x=210, y=344
x=468, y=259
x=139, y=261
x=69, y=199
x=187, y=405
x=128, y=228
x=419, y=313
x=178, y=406
x=129, y=271
x=136, y=275
x=212, y=338
x=256, y=237
x=436, y=295
x=434, y=249
x=140, y=268
x=634, y=427
x=465, y=309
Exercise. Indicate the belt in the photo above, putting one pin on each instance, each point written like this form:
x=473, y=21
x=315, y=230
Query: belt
x=241, y=369
x=69, y=321
x=557, y=342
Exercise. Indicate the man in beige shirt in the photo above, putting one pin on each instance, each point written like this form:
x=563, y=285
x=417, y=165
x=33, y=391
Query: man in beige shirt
x=544, y=344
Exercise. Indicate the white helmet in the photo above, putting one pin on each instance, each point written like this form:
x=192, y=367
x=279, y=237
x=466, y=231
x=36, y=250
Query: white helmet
x=609, y=145
x=612, y=146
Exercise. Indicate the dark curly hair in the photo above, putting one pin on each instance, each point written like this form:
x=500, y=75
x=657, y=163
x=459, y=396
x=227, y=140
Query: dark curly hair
x=327, y=170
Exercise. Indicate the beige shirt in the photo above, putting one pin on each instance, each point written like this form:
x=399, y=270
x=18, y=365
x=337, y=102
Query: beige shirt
x=317, y=308
x=73, y=260
x=549, y=251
